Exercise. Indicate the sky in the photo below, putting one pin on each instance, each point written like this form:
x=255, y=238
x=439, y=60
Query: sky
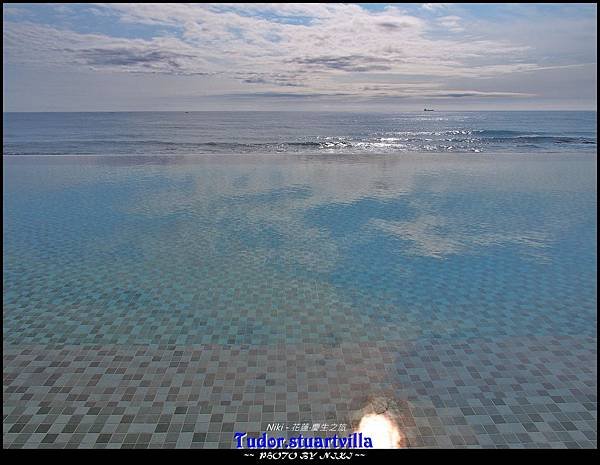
x=289, y=56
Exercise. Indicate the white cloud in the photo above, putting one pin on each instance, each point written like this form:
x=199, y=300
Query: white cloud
x=435, y=6
x=302, y=48
x=343, y=38
x=452, y=23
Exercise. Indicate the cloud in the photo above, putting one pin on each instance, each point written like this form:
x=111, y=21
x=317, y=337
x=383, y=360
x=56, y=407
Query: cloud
x=273, y=80
x=452, y=23
x=13, y=10
x=314, y=48
x=283, y=95
x=474, y=93
x=354, y=63
x=435, y=6
x=42, y=45
x=122, y=56
x=390, y=26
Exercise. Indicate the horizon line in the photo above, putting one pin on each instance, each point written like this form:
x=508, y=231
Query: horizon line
x=288, y=111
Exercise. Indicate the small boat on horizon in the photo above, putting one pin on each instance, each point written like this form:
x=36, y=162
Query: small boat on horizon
x=428, y=109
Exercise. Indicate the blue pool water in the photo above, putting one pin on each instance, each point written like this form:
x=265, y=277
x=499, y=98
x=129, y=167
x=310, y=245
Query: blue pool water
x=298, y=248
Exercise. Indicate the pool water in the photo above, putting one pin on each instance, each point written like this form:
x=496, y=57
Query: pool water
x=449, y=282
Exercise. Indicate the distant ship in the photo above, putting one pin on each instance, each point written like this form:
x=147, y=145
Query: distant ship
x=427, y=109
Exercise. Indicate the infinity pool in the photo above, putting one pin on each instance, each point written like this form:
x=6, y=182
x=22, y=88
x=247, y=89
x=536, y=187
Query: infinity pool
x=170, y=301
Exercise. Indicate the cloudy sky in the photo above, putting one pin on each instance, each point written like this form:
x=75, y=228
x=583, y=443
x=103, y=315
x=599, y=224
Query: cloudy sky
x=349, y=57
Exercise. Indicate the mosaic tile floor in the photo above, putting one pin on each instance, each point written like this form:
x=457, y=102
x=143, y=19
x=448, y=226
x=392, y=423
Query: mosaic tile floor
x=170, y=302
x=477, y=393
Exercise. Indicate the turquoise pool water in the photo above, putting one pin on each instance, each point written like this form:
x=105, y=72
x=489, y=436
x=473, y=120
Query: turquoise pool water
x=259, y=250
x=170, y=301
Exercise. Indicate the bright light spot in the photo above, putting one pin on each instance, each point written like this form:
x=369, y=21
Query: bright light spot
x=384, y=433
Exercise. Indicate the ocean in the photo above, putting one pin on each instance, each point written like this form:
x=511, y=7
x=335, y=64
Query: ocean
x=179, y=133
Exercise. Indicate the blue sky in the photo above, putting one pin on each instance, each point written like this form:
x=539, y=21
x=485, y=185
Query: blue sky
x=350, y=57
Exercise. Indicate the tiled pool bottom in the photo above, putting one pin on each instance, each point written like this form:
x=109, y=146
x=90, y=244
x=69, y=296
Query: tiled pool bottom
x=518, y=392
x=167, y=302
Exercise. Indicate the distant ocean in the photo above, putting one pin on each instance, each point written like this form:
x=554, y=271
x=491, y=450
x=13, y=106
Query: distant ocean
x=186, y=133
